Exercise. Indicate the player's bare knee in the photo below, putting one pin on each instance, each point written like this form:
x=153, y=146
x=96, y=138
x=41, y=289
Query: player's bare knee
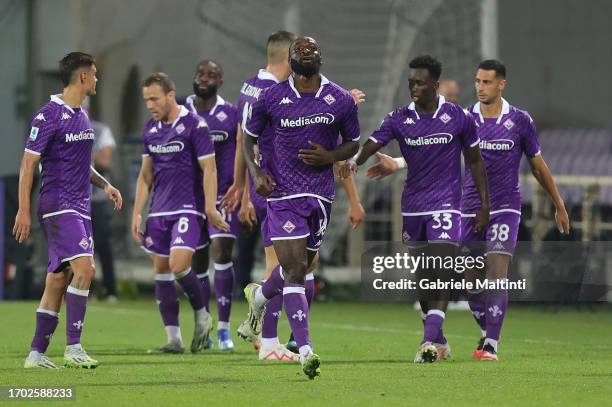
x=55, y=282
x=295, y=273
x=179, y=265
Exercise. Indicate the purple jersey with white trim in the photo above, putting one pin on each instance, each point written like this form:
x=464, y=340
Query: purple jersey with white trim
x=432, y=146
x=296, y=119
x=249, y=94
x=222, y=120
x=63, y=138
x=503, y=141
x=175, y=150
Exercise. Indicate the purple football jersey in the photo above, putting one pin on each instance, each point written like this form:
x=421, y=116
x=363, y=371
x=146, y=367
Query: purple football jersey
x=503, y=141
x=432, y=146
x=297, y=118
x=63, y=138
x=249, y=94
x=175, y=150
x=222, y=120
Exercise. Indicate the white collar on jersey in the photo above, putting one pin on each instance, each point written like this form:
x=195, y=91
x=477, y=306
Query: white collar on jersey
x=59, y=101
x=505, y=110
x=182, y=113
x=441, y=101
x=265, y=75
x=324, y=81
x=191, y=100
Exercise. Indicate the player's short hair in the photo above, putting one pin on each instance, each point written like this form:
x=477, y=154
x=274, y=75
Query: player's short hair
x=161, y=79
x=277, y=46
x=71, y=63
x=433, y=66
x=210, y=61
x=494, y=65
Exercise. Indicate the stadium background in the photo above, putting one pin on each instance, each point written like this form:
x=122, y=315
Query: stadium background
x=557, y=53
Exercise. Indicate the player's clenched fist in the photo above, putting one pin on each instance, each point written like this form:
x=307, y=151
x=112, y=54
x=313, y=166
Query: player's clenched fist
x=264, y=184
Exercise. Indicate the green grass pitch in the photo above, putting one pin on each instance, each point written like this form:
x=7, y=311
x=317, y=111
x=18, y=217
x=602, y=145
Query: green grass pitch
x=560, y=359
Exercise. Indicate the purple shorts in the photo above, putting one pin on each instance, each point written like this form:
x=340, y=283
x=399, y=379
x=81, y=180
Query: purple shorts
x=261, y=210
x=297, y=218
x=500, y=236
x=233, y=221
x=179, y=231
x=69, y=236
x=431, y=227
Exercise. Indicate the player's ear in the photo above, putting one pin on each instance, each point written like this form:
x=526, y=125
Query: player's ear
x=502, y=84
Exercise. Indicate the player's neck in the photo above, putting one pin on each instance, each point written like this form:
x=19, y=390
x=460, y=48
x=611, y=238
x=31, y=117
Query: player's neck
x=428, y=108
x=279, y=71
x=174, y=113
x=307, y=85
x=205, y=104
x=73, y=97
x=492, y=110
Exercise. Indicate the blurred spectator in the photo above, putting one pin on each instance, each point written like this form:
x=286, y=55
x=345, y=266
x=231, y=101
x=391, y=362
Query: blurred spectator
x=101, y=209
x=449, y=88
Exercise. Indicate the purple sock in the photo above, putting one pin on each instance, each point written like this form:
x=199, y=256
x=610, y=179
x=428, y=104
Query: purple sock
x=46, y=322
x=433, y=325
x=203, y=277
x=310, y=288
x=496, y=306
x=192, y=288
x=274, y=284
x=477, y=306
x=167, y=299
x=224, y=289
x=76, y=304
x=296, y=307
x=440, y=338
x=271, y=317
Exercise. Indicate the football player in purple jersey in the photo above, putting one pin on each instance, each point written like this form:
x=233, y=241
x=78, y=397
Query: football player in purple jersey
x=61, y=141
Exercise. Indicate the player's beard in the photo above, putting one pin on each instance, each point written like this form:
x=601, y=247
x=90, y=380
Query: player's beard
x=306, y=71
x=210, y=91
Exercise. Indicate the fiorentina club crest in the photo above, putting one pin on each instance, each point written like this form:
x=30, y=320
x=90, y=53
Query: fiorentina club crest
x=508, y=124
x=221, y=116
x=405, y=237
x=289, y=227
x=84, y=243
x=445, y=118
x=148, y=241
x=329, y=99
x=180, y=128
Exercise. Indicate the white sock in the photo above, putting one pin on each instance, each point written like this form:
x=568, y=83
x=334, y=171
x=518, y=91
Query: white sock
x=182, y=273
x=201, y=314
x=223, y=325
x=305, y=350
x=491, y=342
x=269, y=342
x=174, y=334
x=75, y=346
x=259, y=298
x=483, y=332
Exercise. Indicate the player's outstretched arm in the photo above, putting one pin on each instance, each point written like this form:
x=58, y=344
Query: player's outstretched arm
x=319, y=156
x=542, y=173
x=264, y=184
x=366, y=151
x=385, y=166
x=215, y=218
x=111, y=192
x=143, y=186
x=23, y=220
x=474, y=158
x=356, y=213
x=232, y=197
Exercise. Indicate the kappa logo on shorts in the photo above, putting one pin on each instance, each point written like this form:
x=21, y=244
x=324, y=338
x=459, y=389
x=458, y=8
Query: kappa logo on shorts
x=148, y=241
x=84, y=243
x=445, y=118
x=499, y=246
x=405, y=236
x=289, y=227
x=178, y=240
x=444, y=235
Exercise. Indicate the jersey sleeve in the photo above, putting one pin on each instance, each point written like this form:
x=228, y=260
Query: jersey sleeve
x=384, y=134
x=529, y=138
x=42, y=130
x=469, y=136
x=255, y=117
x=202, y=142
x=349, y=125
